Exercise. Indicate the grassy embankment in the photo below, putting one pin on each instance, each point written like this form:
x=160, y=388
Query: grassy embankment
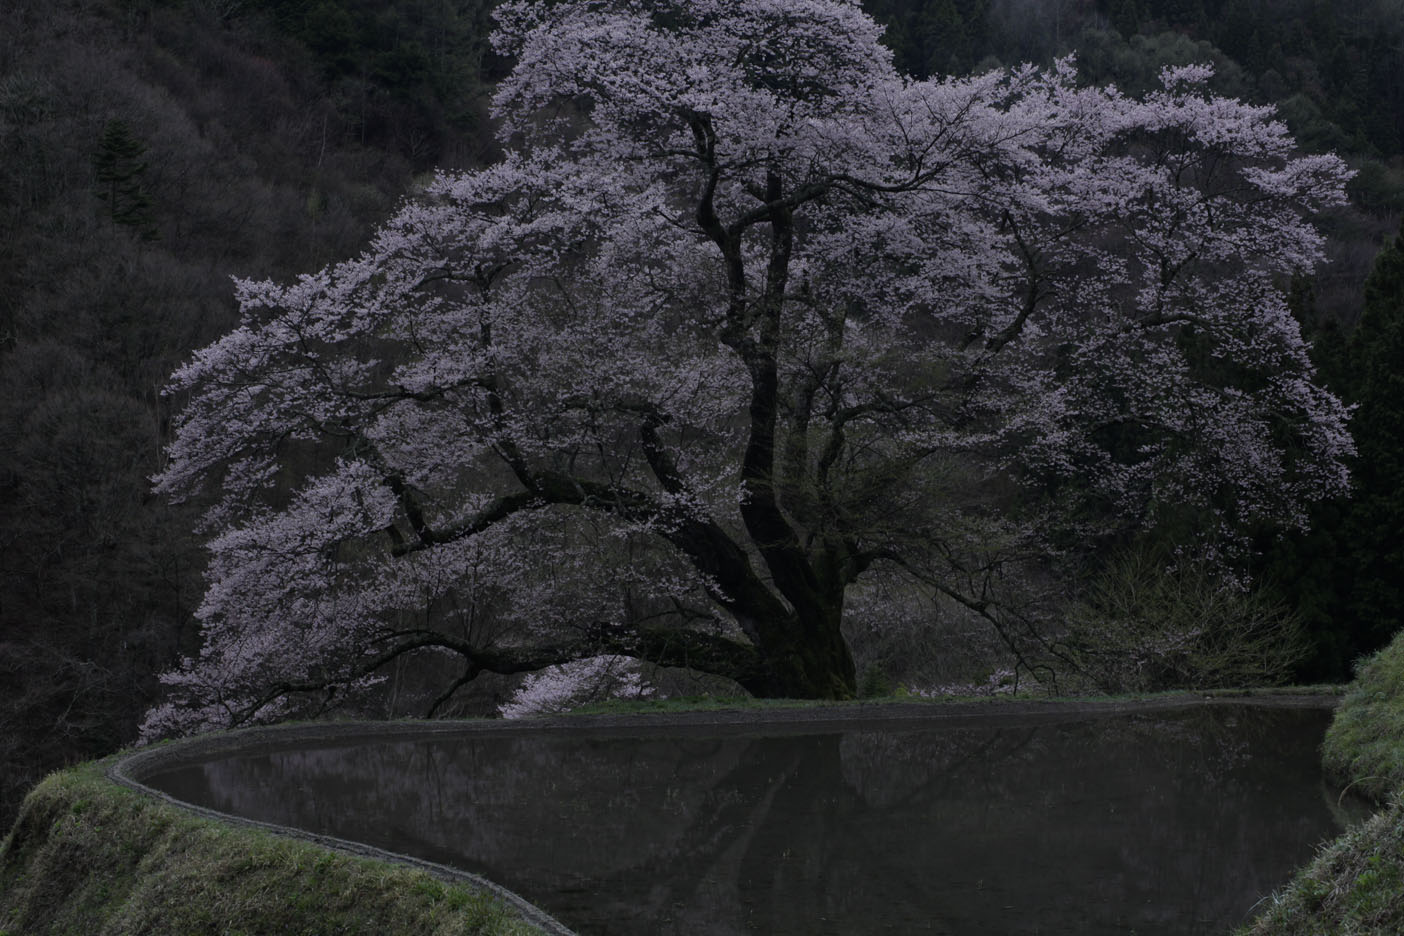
x=90, y=857
x=1355, y=886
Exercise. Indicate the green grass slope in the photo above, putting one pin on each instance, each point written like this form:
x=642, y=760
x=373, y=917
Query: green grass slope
x=1364, y=747
x=89, y=857
x=1355, y=886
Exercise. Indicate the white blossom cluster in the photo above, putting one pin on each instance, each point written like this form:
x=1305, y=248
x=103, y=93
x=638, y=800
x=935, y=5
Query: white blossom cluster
x=558, y=689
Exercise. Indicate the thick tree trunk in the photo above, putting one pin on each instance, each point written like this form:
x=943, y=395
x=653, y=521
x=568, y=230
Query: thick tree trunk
x=801, y=646
x=805, y=658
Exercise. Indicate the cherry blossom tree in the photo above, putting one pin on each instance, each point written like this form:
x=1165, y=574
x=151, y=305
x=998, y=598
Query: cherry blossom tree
x=742, y=317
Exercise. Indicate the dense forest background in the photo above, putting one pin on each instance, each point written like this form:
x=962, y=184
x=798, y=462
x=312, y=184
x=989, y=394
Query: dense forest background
x=151, y=150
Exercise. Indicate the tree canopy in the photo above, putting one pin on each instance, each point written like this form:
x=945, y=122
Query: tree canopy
x=742, y=319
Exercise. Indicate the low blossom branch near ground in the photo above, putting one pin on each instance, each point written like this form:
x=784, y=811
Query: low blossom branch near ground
x=742, y=320
x=557, y=689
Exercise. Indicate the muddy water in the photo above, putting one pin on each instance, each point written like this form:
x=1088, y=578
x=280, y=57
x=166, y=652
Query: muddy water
x=1154, y=822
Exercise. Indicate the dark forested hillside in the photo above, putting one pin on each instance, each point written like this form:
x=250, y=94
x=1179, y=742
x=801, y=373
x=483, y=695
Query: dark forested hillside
x=147, y=154
x=151, y=150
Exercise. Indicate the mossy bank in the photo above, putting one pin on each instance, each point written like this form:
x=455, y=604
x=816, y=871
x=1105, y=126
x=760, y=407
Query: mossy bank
x=88, y=856
x=1356, y=884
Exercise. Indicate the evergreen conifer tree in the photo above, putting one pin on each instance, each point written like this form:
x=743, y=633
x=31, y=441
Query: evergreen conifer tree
x=1377, y=519
x=119, y=169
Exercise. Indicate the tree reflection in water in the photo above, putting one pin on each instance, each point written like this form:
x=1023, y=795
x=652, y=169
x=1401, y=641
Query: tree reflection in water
x=1170, y=822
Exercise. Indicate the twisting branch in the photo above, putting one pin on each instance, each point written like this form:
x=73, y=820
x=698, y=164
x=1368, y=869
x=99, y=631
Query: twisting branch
x=662, y=646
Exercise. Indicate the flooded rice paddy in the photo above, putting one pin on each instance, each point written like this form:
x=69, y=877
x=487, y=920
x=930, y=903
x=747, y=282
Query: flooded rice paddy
x=1150, y=822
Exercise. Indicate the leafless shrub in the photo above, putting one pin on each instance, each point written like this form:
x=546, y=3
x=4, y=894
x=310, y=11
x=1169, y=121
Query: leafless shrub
x=1145, y=624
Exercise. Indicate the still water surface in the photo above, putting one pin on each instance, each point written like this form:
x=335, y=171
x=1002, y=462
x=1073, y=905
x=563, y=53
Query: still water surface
x=1155, y=822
